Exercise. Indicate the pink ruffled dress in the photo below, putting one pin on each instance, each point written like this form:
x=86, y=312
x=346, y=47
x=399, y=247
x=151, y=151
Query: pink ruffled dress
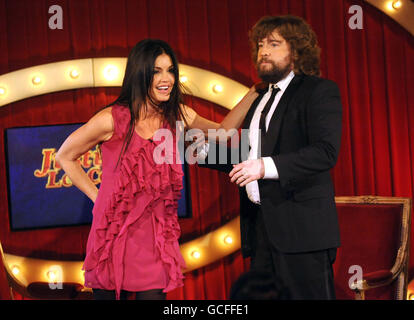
x=133, y=242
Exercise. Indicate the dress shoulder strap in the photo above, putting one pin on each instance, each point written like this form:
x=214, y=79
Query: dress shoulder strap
x=121, y=116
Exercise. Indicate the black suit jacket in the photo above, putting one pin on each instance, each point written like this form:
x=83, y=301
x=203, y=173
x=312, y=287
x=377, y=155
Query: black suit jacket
x=303, y=139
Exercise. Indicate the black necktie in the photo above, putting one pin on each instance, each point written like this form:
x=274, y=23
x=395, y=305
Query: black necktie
x=262, y=125
x=275, y=89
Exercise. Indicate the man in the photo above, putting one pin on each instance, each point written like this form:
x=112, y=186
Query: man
x=288, y=216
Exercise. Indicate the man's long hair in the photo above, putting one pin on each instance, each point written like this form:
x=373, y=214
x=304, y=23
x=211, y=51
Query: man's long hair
x=300, y=36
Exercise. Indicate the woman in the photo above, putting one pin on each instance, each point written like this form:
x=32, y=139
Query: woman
x=133, y=242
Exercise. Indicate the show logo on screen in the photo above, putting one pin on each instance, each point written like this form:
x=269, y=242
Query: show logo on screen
x=50, y=169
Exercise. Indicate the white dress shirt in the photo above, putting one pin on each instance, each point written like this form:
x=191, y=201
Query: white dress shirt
x=252, y=188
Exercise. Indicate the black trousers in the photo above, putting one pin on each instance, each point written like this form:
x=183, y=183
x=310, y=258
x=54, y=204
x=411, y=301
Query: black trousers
x=155, y=294
x=303, y=276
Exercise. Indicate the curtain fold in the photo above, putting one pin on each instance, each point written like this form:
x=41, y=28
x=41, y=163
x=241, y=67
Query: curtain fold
x=373, y=68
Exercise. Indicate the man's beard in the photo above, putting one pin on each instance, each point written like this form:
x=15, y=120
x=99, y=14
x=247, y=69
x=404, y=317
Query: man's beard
x=273, y=75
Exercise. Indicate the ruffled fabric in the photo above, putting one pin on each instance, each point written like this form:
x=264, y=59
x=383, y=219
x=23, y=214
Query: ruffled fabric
x=140, y=185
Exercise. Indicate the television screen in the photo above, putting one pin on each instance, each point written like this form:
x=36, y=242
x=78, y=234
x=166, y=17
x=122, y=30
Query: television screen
x=40, y=193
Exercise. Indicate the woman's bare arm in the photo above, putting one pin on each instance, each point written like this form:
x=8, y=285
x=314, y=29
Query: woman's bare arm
x=233, y=119
x=98, y=129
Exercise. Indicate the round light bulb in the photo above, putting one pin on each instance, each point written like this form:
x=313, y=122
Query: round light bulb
x=217, y=88
x=36, y=80
x=183, y=79
x=228, y=239
x=111, y=72
x=15, y=270
x=195, y=254
x=51, y=275
x=2, y=91
x=74, y=74
x=397, y=4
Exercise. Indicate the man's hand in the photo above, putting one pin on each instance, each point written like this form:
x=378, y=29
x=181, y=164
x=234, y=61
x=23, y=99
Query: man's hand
x=247, y=171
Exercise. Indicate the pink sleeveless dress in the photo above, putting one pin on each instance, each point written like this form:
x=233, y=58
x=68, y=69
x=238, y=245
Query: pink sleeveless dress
x=133, y=241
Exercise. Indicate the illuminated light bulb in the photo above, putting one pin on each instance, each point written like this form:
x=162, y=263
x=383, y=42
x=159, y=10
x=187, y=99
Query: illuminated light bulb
x=228, y=239
x=15, y=270
x=74, y=74
x=111, y=72
x=51, y=275
x=36, y=80
x=195, y=254
x=183, y=79
x=397, y=4
x=411, y=297
x=2, y=91
x=217, y=88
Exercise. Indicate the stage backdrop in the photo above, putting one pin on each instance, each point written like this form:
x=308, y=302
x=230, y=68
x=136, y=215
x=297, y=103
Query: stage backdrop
x=373, y=67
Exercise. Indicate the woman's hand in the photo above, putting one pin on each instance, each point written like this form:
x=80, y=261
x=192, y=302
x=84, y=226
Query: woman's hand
x=260, y=87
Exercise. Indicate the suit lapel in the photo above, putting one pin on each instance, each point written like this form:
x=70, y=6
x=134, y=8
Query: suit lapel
x=249, y=115
x=277, y=117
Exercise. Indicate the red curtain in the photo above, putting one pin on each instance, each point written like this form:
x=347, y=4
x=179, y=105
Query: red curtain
x=373, y=68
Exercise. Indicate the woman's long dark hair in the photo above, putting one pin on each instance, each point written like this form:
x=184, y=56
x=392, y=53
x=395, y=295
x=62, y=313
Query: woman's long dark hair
x=136, y=86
